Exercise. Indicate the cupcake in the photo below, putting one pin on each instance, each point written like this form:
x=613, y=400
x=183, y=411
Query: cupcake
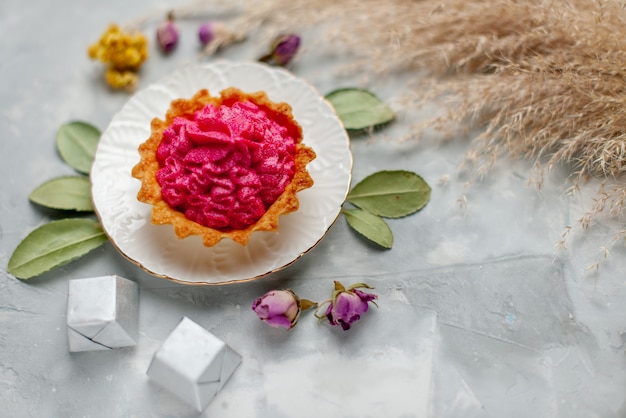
x=223, y=166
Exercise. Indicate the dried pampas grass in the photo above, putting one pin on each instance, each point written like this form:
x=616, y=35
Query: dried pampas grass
x=542, y=79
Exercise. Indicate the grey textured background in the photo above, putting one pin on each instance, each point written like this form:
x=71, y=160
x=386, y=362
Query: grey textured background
x=479, y=314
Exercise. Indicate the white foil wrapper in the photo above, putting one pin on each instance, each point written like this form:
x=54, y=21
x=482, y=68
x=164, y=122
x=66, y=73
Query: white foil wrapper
x=193, y=364
x=102, y=313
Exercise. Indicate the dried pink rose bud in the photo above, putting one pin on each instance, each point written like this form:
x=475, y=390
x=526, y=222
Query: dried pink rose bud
x=347, y=305
x=206, y=33
x=167, y=34
x=283, y=50
x=280, y=308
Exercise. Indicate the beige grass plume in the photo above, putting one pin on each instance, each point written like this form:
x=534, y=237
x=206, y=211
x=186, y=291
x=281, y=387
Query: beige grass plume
x=542, y=79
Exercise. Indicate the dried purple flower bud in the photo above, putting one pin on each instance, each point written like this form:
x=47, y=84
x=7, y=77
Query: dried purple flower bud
x=206, y=33
x=280, y=308
x=347, y=305
x=283, y=49
x=167, y=34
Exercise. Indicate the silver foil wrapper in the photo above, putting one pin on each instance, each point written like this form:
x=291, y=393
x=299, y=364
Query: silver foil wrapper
x=193, y=364
x=102, y=313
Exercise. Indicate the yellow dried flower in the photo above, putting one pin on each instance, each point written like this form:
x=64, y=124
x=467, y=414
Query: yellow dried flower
x=121, y=79
x=123, y=53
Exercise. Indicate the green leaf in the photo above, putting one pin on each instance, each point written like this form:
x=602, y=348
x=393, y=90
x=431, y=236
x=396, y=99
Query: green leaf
x=65, y=193
x=359, y=109
x=53, y=245
x=77, y=143
x=370, y=226
x=391, y=194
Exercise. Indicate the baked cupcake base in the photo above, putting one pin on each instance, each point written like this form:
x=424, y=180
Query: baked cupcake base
x=162, y=213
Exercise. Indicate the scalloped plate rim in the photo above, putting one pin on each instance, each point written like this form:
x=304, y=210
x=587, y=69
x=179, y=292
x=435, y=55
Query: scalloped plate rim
x=160, y=87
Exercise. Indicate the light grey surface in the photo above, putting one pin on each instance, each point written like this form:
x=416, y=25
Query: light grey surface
x=479, y=314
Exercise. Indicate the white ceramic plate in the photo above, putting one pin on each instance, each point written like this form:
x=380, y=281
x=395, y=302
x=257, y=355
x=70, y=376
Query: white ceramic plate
x=156, y=249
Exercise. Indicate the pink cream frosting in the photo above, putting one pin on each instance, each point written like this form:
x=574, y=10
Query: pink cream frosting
x=225, y=167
